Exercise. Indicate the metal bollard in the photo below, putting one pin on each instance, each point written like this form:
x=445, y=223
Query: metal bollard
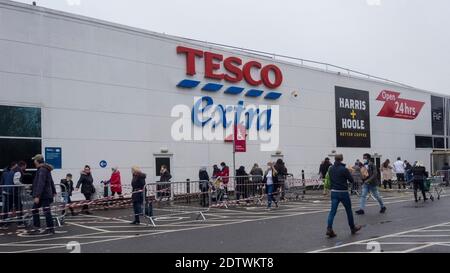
x=188, y=190
x=303, y=183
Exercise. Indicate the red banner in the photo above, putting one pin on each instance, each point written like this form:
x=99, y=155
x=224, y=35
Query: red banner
x=395, y=107
x=240, y=144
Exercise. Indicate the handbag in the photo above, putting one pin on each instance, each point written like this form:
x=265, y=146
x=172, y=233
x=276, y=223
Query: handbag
x=364, y=173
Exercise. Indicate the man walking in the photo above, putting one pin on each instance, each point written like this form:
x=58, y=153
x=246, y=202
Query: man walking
x=339, y=175
x=370, y=184
x=43, y=193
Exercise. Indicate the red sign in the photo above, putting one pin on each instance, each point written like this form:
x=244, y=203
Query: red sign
x=395, y=107
x=236, y=70
x=240, y=144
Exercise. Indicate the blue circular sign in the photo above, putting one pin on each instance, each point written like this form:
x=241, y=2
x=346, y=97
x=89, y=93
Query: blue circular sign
x=103, y=164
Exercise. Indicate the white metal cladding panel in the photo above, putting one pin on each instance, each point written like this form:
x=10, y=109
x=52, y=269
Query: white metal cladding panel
x=19, y=89
x=104, y=84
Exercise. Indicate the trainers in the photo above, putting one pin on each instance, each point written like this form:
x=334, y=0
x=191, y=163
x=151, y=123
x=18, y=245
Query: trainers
x=383, y=210
x=34, y=232
x=330, y=233
x=135, y=223
x=4, y=227
x=356, y=229
x=49, y=231
x=360, y=212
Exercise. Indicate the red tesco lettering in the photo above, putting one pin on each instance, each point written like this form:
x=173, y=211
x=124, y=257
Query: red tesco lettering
x=232, y=66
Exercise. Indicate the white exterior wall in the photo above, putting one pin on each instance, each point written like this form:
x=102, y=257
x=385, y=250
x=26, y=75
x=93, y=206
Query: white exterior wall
x=106, y=93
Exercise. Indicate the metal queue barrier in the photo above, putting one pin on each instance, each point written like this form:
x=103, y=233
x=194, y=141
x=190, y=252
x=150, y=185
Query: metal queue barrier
x=169, y=199
x=17, y=205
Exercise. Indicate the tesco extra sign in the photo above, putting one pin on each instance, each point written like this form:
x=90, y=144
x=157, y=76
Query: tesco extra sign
x=234, y=69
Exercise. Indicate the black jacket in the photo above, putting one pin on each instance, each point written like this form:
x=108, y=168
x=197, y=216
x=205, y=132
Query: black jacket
x=87, y=183
x=323, y=169
x=203, y=176
x=137, y=185
x=165, y=177
x=43, y=186
x=419, y=173
x=339, y=175
x=67, y=186
x=241, y=180
x=373, y=174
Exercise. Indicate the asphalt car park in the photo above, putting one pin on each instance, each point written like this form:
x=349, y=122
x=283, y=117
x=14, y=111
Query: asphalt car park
x=296, y=226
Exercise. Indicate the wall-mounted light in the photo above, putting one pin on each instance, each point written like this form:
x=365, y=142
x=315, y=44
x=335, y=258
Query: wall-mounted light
x=164, y=150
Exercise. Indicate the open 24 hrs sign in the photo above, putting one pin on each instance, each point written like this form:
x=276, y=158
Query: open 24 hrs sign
x=395, y=107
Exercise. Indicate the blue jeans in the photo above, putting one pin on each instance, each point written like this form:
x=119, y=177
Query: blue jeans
x=336, y=198
x=365, y=191
x=270, y=197
x=137, y=208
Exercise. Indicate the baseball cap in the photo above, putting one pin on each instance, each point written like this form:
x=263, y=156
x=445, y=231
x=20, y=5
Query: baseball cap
x=38, y=157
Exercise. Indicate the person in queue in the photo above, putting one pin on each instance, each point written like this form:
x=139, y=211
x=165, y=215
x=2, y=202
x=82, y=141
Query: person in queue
x=137, y=197
x=86, y=182
x=270, y=181
x=203, y=184
x=67, y=189
x=43, y=191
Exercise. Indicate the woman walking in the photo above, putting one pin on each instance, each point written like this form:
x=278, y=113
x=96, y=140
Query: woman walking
x=87, y=187
x=387, y=174
x=137, y=197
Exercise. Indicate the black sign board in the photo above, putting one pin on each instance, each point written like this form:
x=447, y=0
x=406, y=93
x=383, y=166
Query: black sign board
x=352, y=118
x=437, y=115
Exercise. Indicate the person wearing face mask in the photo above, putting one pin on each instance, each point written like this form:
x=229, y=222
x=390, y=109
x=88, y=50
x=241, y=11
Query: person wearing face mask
x=370, y=184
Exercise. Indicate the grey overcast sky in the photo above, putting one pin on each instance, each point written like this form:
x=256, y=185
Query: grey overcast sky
x=402, y=40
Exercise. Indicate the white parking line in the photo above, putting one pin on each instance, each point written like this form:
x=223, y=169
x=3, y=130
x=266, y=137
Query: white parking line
x=399, y=234
x=88, y=227
x=419, y=247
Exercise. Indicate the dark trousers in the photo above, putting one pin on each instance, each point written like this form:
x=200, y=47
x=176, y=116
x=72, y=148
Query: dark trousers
x=418, y=184
x=7, y=205
x=88, y=197
x=137, y=208
x=401, y=180
x=10, y=202
x=344, y=198
x=204, y=198
x=45, y=204
x=386, y=183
